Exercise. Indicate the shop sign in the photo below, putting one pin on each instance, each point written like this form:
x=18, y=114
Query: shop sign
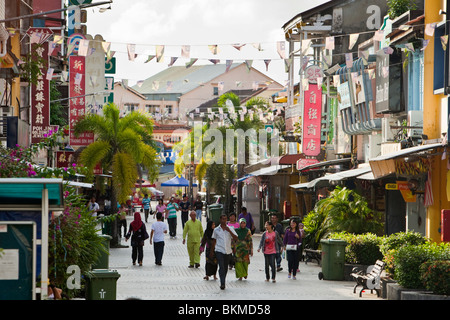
x=77, y=104
x=312, y=121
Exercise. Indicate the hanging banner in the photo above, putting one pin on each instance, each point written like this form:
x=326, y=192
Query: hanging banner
x=40, y=92
x=312, y=118
x=77, y=104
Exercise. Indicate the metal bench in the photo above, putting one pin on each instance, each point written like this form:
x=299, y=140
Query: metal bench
x=371, y=280
x=311, y=254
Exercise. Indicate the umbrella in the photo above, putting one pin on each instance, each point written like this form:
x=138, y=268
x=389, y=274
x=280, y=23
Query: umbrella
x=177, y=182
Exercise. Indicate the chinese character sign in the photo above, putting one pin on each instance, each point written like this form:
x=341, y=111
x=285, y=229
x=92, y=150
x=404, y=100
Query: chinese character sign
x=40, y=97
x=312, y=118
x=77, y=109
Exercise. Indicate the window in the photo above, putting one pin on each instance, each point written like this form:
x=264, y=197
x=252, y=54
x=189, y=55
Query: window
x=216, y=91
x=169, y=109
x=130, y=107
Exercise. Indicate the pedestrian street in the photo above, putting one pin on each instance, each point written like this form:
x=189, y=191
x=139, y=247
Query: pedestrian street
x=173, y=280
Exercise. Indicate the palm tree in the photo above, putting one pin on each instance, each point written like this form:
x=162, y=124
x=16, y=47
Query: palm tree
x=119, y=147
x=220, y=176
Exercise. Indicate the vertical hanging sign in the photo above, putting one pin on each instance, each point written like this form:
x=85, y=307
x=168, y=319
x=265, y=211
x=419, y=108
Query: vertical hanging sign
x=40, y=92
x=312, y=118
x=77, y=105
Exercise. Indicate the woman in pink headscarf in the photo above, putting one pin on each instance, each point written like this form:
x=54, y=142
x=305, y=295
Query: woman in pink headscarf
x=139, y=231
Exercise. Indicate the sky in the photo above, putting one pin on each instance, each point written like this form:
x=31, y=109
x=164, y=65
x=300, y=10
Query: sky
x=197, y=23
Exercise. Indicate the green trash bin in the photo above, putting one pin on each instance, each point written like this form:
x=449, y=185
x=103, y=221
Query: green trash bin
x=214, y=212
x=101, y=284
x=333, y=259
x=103, y=259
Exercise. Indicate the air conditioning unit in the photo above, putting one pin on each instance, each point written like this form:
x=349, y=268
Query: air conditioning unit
x=387, y=132
x=415, y=119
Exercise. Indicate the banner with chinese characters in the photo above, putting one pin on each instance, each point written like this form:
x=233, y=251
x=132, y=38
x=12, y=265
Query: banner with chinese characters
x=312, y=118
x=77, y=104
x=40, y=92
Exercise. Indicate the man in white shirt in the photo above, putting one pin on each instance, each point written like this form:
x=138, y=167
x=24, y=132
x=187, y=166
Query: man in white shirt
x=221, y=245
x=159, y=228
x=93, y=207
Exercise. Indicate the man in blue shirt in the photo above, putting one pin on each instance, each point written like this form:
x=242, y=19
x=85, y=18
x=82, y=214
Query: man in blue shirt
x=146, y=205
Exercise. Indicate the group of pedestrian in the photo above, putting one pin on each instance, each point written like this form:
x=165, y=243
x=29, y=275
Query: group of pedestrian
x=230, y=241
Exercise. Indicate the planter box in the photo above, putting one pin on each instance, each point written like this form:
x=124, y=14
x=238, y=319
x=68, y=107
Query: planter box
x=384, y=282
x=397, y=292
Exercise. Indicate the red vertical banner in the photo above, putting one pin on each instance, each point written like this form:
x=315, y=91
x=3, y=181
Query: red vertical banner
x=40, y=92
x=312, y=120
x=77, y=91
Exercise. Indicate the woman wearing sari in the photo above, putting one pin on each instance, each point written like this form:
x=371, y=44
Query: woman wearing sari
x=244, y=249
x=205, y=245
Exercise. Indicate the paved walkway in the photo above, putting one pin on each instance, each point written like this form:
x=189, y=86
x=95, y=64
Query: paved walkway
x=175, y=281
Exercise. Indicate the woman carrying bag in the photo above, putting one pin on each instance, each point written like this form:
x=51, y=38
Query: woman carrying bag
x=137, y=239
x=292, y=242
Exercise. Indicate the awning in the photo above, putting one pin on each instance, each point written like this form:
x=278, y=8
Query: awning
x=326, y=163
x=287, y=159
x=79, y=184
x=27, y=192
x=385, y=164
x=268, y=171
x=326, y=179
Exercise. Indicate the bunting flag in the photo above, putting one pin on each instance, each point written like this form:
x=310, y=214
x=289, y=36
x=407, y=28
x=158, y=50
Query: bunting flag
x=172, y=61
x=64, y=75
x=409, y=46
x=257, y=46
x=349, y=60
x=425, y=44
x=329, y=43
x=109, y=56
x=281, y=49
x=159, y=53
x=388, y=50
x=228, y=64
x=220, y=85
x=287, y=65
x=336, y=80
x=306, y=43
x=49, y=75
x=131, y=48
x=51, y=47
x=444, y=41
x=238, y=84
x=429, y=29
x=255, y=85
x=155, y=85
x=214, y=61
x=353, y=39
x=191, y=62
x=186, y=51
x=248, y=64
x=428, y=198
x=238, y=46
x=379, y=35
x=83, y=47
x=140, y=83
x=214, y=48
x=305, y=84
x=267, y=64
x=58, y=39
x=106, y=46
x=149, y=58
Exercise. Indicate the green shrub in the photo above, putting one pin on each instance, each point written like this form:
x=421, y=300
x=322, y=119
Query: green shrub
x=435, y=276
x=409, y=258
x=395, y=241
x=361, y=249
